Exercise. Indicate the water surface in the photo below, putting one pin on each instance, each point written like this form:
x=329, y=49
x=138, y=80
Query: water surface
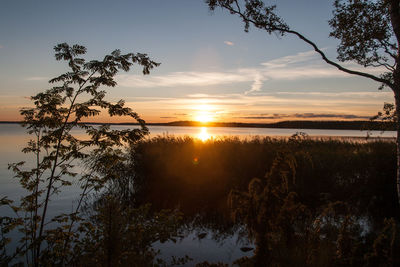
x=13, y=138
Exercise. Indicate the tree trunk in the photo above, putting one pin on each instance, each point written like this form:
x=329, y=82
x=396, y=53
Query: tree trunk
x=262, y=255
x=397, y=103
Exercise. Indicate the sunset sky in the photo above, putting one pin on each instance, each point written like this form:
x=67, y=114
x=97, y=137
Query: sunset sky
x=211, y=70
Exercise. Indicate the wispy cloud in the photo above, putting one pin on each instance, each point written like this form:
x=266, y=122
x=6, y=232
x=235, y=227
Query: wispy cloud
x=1, y=46
x=182, y=79
x=270, y=98
x=343, y=116
x=37, y=78
x=258, y=80
x=306, y=116
x=362, y=103
x=199, y=95
x=229, y=43
x=377, y=94
x=205, y=96
x=304, y=65
x=292, y=60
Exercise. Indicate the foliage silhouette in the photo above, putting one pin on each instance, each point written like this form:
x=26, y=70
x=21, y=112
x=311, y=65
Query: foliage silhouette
x=360, y=173
x=288, y=233
x=77, y=95
x=270, y=210
x=119, y=235
x=369, y=34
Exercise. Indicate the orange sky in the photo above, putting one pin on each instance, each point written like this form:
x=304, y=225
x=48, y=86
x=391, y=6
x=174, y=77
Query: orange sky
x=210, y=70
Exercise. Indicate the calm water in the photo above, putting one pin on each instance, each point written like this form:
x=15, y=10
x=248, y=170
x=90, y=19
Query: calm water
x=243, y=132
x=13, y=138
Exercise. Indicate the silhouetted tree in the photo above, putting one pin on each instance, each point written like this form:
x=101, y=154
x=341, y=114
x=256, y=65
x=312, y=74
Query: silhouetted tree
x=77, y=95
x=368, y=30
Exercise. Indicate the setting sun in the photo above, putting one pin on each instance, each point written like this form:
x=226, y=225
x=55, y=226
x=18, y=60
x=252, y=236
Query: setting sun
x=204, y=113
x=204, y=117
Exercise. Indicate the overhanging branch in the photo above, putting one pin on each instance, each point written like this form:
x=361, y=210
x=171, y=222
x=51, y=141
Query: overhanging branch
x=338, y=66
x=308, y=41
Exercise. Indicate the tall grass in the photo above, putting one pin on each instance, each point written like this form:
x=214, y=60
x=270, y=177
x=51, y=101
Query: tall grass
x=304, y=202
x=198, y=176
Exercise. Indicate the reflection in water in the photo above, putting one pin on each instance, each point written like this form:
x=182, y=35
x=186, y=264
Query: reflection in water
x=203, y=135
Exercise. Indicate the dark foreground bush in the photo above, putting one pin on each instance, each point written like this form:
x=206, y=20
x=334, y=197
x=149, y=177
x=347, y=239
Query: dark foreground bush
x=288, y=233
x=198, y=176
x=302, y=202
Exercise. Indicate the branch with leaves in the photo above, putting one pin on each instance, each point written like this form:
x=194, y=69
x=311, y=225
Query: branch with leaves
x=369, y=34
x=76, y=96
x=368, y=48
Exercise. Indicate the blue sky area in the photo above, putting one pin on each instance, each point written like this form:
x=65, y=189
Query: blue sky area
x=211, y=69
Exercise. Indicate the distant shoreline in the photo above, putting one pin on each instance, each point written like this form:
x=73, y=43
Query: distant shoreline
x=322, y=125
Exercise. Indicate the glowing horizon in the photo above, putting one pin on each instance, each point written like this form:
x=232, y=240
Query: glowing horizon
x=210, y=71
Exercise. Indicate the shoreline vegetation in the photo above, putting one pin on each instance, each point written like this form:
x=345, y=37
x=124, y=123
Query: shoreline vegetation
x=299, y=201
x=297, y=124
x=325, y=202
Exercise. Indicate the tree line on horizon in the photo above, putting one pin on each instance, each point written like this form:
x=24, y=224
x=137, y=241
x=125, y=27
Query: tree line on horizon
x=305, y=206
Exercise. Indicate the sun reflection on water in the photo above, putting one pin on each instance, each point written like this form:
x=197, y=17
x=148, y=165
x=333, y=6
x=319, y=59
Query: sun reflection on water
x=203, y=135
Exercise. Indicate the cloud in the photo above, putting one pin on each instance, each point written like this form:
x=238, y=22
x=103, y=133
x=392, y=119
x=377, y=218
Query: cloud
x=182, y=79
x=271, y=100
x=200, y=95
x=343, y=116
x=305, y=116
x=229, y=43
x=258, y=118
x=266, y=106
x=37, y=78
x=1, y=46
x=377, y=94
x=283, y=62
x=257, y=83
x=168, y=117
x=304, y=65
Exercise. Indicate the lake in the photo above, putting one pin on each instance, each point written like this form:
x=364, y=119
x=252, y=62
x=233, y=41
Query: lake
x=13, y=138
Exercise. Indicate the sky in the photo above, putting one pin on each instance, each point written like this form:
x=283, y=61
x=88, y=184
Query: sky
x=211, y=70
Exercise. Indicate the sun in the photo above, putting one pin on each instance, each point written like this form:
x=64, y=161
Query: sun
x=204, y=117
x=204, y=113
